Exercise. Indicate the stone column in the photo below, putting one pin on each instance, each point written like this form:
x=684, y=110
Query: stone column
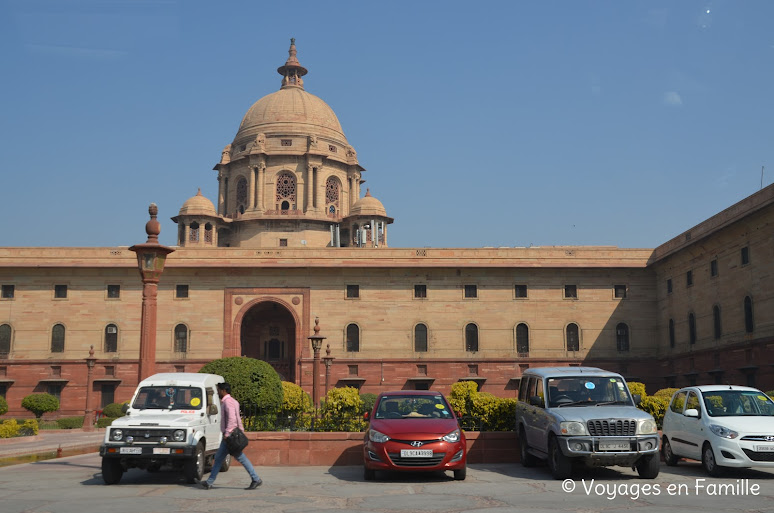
x=309, y=187
x=251, y=194
x=220, y=193
x=261, y=185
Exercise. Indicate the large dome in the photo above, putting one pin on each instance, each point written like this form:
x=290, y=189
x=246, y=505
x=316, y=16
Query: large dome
x=291, y=110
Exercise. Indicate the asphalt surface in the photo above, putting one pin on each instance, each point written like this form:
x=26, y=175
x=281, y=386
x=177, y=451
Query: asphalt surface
x=74, y=484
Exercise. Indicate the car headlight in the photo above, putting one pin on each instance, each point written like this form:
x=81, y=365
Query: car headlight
x=117, y=434
x=647, y=427
x=452, y=437
x=572, y=428
x=377, y=437
x=178, y=435
x=722, y=431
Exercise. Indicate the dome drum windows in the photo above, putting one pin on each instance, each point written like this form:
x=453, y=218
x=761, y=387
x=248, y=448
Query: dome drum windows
x=241, y=194
x=286, y=192
x=332, y=197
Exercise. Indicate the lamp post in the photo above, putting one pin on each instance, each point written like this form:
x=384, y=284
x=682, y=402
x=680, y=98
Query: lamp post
x=316, y=340
x=327, y=360
x=150, y=260
x=88, y=413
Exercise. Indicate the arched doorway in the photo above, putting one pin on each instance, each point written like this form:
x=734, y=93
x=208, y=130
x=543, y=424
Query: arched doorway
x=268, y=333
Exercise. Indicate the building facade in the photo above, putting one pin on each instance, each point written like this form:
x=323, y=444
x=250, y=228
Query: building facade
x=291, y=237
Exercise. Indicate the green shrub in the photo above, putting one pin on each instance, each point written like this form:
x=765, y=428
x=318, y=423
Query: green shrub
x=666, y=392
x=3, y=405
x=461, y=396
x=637, y=388
x=656, y=406
x=253, y=382
x=341, y=410
x=69, y=422
x=294, y=400
x=114, y=410
x=105, y=422
x=40, y=404
x=369, y=400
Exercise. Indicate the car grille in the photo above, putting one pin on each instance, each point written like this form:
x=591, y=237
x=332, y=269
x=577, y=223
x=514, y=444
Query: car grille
x=417, y=462
x=759, y=438
x=613, y=427
x=759, y=456
x=147, y=435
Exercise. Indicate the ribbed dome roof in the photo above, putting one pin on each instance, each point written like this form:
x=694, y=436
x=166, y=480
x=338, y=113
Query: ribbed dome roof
x=368, y=206
x=198, y=205
x=291, y=110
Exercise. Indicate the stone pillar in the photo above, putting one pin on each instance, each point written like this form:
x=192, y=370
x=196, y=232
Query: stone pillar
x=309, y=187
x=261, y=186
x=220, y=193
x=251, y=193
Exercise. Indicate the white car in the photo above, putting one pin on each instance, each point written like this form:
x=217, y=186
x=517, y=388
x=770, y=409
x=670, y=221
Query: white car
x=721, y=426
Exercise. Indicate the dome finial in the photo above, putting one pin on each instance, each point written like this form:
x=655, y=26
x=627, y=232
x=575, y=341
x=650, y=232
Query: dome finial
x=292, y=71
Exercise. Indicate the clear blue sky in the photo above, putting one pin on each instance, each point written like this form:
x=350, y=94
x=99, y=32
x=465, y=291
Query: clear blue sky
x=479, y=123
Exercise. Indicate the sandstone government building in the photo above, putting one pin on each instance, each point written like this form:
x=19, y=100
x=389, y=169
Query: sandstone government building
x=292, y=236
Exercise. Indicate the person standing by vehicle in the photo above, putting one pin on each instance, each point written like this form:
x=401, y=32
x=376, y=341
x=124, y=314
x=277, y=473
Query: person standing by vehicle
x=230, y=420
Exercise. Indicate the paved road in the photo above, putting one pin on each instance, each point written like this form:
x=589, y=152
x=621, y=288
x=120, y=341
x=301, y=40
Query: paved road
x=74, y=485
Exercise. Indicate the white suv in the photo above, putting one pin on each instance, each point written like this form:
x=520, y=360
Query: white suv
x=720, y=425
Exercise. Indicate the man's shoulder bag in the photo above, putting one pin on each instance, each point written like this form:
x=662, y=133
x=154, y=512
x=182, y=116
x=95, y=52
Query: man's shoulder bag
x=236, y=442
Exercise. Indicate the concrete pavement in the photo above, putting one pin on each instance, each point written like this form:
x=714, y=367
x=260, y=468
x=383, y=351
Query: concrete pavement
x=74, y=485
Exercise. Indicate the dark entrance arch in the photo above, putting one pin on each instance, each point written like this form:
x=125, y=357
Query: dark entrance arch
x=268, y=332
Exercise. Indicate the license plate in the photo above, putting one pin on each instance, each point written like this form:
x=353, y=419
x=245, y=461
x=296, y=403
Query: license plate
x=416, y=453
x=161, y=450
x=614, y=446
x=764, y=448
x=130, y=450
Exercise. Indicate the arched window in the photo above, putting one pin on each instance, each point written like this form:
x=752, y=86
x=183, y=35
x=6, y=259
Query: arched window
x=573, y=337
x=193, y=232
x=420, y=338
x=208, y=233
x=471, y=338
x=286, y=190
x=241, y=193
x=332, y=194
x=716, y=322
x=622, y=337
x=522, y=338
x=181, y=338
x=671, y=333
x=748, y=315
x=111, y=338
x=353, y=338
x=57, y=338
x=5, y=339
x=691, y=328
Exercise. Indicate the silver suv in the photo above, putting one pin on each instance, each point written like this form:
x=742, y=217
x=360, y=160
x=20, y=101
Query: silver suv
x=568, y=414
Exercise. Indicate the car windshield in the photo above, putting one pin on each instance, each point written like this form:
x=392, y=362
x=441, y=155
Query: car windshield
x=168, y=398
x=413, y=407
x=587, y=391
x=738, y=403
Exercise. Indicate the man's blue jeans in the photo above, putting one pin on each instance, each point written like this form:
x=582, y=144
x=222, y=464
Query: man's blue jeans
x=220, y=457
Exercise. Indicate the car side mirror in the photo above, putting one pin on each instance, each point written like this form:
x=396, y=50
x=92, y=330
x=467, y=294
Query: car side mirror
x=692, y=412
x=212, y=409
x=125, y=408
x=536, y=400
x=637, y=398
x=366, y=415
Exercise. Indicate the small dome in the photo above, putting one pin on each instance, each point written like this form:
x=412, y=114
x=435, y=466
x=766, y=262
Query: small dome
x=368, y=206
x=198, y=205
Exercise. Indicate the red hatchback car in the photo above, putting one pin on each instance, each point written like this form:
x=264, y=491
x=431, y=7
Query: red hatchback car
x=413, y=430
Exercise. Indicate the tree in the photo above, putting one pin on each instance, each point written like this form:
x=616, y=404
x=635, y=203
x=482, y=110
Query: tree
x=253, y=382
x=40, y=404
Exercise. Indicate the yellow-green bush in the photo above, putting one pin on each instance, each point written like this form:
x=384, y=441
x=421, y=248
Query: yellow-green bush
x=494, y=413
x=656, y=406
x=341, y=410
x=637, y=388
x=11, y=428
x=461, y=396
x=3, y=405
x=666, y=392
x=294, y=399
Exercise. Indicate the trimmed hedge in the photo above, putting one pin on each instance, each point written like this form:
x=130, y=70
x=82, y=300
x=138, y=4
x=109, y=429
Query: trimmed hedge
x=40, y=404
x=253, y=382
x=114, y=410
x=70, y=422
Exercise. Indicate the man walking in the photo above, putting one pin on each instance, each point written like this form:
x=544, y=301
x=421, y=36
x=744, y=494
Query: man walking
x=230, y=420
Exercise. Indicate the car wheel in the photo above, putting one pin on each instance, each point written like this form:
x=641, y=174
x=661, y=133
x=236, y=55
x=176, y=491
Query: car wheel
x=527, y=459
x=648, y=466
x=709, y=462
x=461, y=474
x=226, y=464
x=369, y=474
x=559, y=464
x=193, y=469
x=112, y=470
x=670, y=458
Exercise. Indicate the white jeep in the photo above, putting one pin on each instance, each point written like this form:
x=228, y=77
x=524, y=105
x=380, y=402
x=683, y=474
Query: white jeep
x=172, y=419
